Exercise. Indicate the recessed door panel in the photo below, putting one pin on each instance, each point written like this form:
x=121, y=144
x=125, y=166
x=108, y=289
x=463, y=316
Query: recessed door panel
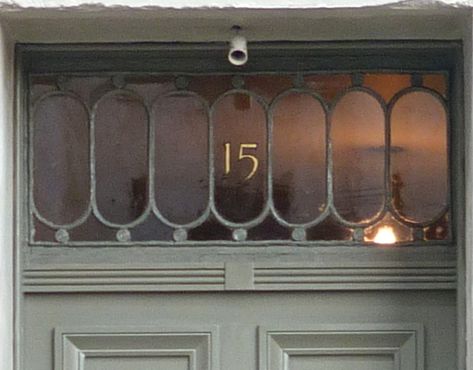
x=134, y=362
x=342, y=362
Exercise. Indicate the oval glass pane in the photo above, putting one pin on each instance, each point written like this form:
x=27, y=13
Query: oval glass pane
x=181, y=157
x=419, y=159
x=61, y=159
x=299, y=158
x=121, y=158
x=358, y=144
x=240, y=138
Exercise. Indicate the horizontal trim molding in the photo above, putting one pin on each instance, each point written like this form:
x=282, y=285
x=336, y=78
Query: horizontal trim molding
x=355, y=278
x=237, y=276
x=123, y=279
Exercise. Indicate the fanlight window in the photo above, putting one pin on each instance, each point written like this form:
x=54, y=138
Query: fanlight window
x=283, y=158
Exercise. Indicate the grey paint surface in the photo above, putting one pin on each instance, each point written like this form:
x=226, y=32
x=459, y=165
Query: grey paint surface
x=239, y=316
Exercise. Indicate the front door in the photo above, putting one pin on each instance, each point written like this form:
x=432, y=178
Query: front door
x=182, y=213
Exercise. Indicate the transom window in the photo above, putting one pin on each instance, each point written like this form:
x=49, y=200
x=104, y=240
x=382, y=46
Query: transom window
x=300, y=157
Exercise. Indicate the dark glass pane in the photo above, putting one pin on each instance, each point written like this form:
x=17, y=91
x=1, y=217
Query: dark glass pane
x=61, y=159
x=210, y=87
x=152, y=229
x=269, y=229
x=437, y=82
x=121, y=134
x=240, y=157
x=358, y=156
x=150, y=87
x=182, y=165
x=90, y=89
x=299, y=158
x=419, y=164
x=42, y=84
x=328, y=85
x=387, y=85
x=210, y=230
x=439, y=230
x=268, y=86
x=43, y=233
x=329, y=229
x=92, y=230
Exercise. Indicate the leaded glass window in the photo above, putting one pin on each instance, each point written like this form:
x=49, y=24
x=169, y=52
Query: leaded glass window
x=300, y=157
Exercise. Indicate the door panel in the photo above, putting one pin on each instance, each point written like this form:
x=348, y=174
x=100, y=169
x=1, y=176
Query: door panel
x=365, y=362
x=241, y=331
x=145, y=363
x=365, y=346
x=144, y=348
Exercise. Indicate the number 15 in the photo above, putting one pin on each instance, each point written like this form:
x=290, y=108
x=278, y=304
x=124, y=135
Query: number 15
x=241, y=156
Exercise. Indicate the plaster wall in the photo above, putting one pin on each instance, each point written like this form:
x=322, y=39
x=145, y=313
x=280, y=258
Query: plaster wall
x=141, y=24
x=6, y=202
x=464, y=269
x=51, y=21
x=223, y=4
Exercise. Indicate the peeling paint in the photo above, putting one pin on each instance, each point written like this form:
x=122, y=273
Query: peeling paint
x=429, y=4
x=16, y=5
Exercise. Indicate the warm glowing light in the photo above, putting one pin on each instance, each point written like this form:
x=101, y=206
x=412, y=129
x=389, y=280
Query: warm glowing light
x=385, y=235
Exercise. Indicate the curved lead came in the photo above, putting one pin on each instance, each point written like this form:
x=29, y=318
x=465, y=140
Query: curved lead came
x=181, y=146
x=299, y=162
x=60, y=139
x=419, y=156
x=121, y=157
x=358, y=152
x=240, y=156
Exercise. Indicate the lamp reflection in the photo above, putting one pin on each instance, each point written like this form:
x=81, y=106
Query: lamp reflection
x=385, y=235
x=388, y=231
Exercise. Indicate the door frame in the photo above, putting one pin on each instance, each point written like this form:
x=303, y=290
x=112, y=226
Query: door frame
x=463, y=270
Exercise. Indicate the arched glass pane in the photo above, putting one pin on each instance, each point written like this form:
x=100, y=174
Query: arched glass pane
x=181, y=157
x=358, y=156
x=61, y=159
x=240, y=157
x=121, y=158
x=419, y=161
x=299, y=158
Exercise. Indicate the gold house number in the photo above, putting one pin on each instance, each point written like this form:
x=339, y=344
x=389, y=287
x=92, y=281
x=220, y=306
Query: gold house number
x=241, y=156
